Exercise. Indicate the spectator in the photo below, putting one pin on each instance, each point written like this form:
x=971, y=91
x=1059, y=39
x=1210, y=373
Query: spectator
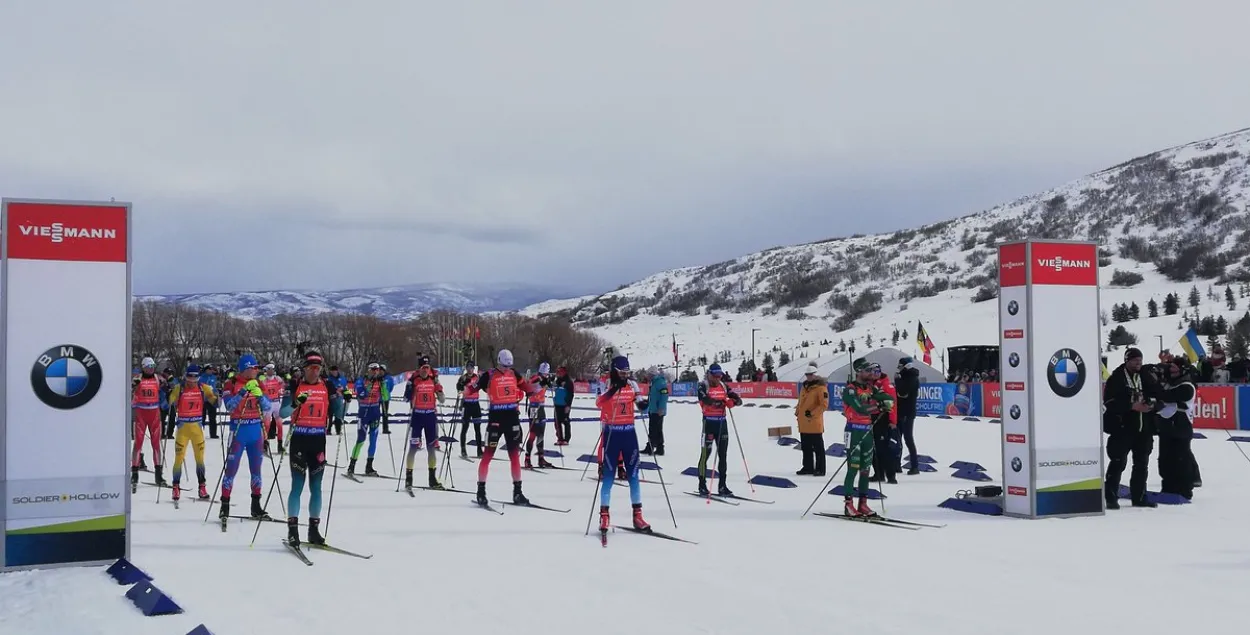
x=657, y=408
x=907, y=385
x=810, y=412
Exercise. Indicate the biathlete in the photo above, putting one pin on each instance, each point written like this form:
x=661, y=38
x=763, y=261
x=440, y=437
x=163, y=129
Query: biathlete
x=538, y=415
x=862, y=401
x=147, y=398
x=188, y=400
x=309, y=421
x=620, y=438
x=470, y=408
x=504, y=386
x=424, y=394
x=274, y=386
x=372, y=392
x=246, y=401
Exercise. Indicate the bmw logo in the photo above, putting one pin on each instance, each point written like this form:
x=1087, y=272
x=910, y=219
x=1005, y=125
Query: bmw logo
x=1015, y=412
x=1013, y=307
x=1016, y=464
x=1066, y=372
x=66, y=377
x=1013, y=359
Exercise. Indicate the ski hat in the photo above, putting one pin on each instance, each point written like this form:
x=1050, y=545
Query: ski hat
x=1132, y=353
x=714, y=369
x=270, y=367
x=904, y=361
x=247, y=361
x=470, y=364
x=505, y=358
x=861, y=365
x=313, y=358
x=544, y=368
x=375, y=366
x=193, y=369
x=620, y=362
x=812, y=368
x=148, y=362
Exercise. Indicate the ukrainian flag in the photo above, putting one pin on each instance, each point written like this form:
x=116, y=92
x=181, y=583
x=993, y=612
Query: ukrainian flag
x=1106, y=374
x=1192, y=346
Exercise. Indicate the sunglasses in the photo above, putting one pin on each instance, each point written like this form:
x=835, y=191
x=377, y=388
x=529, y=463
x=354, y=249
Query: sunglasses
x=193, y=375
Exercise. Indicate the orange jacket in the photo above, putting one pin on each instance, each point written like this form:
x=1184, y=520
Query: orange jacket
x=886, y=387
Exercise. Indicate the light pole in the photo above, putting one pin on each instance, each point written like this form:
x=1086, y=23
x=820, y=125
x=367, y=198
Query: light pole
x=753, y=346
x=1160, y=343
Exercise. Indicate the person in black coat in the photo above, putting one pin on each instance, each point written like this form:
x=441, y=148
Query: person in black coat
x=907, y=385
x=1176, y=429
x=1130, y=401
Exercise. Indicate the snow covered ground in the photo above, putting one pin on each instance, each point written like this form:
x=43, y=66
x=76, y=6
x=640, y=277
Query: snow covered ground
x=443, y=566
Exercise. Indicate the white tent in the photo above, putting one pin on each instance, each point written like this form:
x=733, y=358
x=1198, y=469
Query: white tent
x=837, y=368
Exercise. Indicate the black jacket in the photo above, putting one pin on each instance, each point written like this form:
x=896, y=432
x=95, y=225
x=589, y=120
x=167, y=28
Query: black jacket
x=1179, y=425
x=907, y=385
x=1118, y=397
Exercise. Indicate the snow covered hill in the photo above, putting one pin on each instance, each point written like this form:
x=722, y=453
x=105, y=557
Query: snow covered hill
x=400, y=302
x=1177, y=218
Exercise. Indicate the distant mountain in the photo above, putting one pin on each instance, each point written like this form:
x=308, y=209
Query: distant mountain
x=1166, y=222
x=392, y=303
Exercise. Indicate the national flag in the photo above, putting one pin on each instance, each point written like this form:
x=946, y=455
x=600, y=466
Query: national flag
x=1192, y=346
x=674, y=352
x=925, y=344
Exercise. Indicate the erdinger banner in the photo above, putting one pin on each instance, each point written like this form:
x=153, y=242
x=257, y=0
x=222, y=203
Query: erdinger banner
x=1050, y=397
x=65, y=418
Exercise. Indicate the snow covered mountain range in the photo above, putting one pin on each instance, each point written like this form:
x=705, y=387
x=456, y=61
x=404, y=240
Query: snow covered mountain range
x=1177, y=218
x=393, y=303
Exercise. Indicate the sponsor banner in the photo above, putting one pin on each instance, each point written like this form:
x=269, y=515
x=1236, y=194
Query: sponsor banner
x=765, y=389
x=67, y=377
x=1012, y=265
x=954, y=400
x=1063, y=378
x=683, y=389
x=1215, y=408
x=581, y=387
x=991, y=399
x=1012, y=395
x=1243, y=407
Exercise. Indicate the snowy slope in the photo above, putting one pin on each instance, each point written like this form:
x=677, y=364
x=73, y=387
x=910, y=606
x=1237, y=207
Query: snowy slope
x=442, y=566
x=394, y=303
x=1183, y=211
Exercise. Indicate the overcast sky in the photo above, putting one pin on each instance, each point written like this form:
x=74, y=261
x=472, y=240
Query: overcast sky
x=579, y=142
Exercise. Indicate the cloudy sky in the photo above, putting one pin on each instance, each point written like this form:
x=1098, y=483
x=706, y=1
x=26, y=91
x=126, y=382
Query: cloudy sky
x=331, y=144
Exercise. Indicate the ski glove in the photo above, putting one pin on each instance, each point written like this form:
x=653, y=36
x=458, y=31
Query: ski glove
x=441, y=397
x=253, y=387
x=302, y=397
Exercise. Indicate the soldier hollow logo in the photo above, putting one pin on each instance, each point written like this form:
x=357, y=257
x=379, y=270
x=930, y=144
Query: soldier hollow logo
x=66, y=376
x=1013, y=359
x=1013, y=307
x=1066, y=372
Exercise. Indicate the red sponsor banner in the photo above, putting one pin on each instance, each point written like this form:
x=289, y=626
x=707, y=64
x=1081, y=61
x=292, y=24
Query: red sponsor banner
x=1014, y=386
x=1064, y=264
x=1017, y=491
x=1011, y=265
x=644, y=389
x=1013, y=334
x=766, y=390
x=581, y=387
x=992, y=400
x=1215, y=408
x=66, y=231
x=1015, y=438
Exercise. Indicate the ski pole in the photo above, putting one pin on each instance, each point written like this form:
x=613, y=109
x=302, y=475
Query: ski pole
x=220, y=477
x=598, y=483
x=404, y=448
x=268, y=496
x=664, y=487
x=164, y=445
x=734, y=424
x=333, y=481
x=835, y=475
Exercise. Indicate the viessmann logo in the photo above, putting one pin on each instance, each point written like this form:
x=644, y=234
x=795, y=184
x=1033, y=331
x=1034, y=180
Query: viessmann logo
x=78, y=497
x=1012, y=264
x=58, y=232
x=1059, y=264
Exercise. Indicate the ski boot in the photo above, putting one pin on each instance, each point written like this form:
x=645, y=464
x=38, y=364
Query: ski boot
x=203, y=493
x=723, y=490
x=351, y=467
x=912, y=471
x=848, y=507
x=224, y=512
x=281, y=448
x=176, y=492
x=408, y=479
x=639, y=523
x=1142, y=502
x=464, y=452
x=864, y=510
x=481, y=495
x=369, y=471
x=258, y=512
x=134, y=480
x=543, y=462
x=605, y=520
x=528, y=464
x=703, y=490
x=518, y=498
x=434, y=484
x=143, y=462
x=292, y=531
x=649, y=451
x=160, y=478
x=314, y=532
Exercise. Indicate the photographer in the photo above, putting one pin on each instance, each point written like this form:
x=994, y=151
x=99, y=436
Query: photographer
x=1176, y=429
x=1130, y=421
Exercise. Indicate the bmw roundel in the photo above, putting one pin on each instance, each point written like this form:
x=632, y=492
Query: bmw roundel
x=1016, y=464
x=1066, y=372
x=1013, y=307
x=1015, y=412
x=1013, y=359
x=66, y=376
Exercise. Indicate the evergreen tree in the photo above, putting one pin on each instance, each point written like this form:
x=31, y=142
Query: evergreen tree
x=768, y=361
x=1212, y=342
x=868, y=340
x=1134, y=312
x=841, y=346
x=1171, y=304
x=783, y=358
x=894, y=338
x=1120, y=336
x=1152, y=308
x=1195, y=298
x=904, y=335
x=1211, y=292
x=1221, y=325
x=1237, y=344
x=1119, y=313
x=1228, y=297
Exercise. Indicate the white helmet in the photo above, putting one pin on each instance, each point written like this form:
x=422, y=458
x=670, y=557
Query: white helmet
x=505, y=358
x=544, y=368
x=148, y=362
